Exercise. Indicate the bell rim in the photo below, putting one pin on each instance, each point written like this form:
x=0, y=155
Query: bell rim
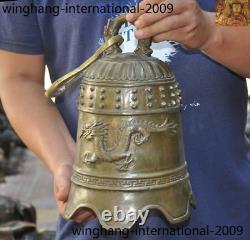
x=189, y=203
x=169, y=218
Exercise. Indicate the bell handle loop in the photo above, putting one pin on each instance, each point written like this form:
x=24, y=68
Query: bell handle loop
x=112, y=29
x=64, y=82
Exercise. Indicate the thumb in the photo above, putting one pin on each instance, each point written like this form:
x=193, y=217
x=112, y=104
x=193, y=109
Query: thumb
x=62, y=182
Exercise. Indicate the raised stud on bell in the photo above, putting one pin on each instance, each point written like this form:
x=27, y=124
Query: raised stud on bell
x=150, y=97
x=102, y=97
x=82, y=102
x=134, y=91
x=162, y=89
x=103, y=90
x=134, y=98
x=150, y=105
x=163, y=104
x=102, y=105
x=134, y=105
x=148, y=89
x=118, y=91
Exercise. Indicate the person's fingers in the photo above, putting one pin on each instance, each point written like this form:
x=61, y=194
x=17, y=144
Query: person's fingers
x=83, y=214
x=143, y=7
x=60, y=207
x=175, y=35
x=149, y=18
x=62, y=182
x=61, y=187
x=165, y=25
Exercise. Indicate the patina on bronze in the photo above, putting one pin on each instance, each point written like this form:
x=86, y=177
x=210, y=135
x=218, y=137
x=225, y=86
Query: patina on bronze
x=130, y=149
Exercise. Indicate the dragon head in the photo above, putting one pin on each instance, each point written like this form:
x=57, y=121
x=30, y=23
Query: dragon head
x=96, y=128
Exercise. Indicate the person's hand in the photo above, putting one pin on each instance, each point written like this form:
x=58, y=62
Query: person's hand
x=187, y=24
x=61, y=190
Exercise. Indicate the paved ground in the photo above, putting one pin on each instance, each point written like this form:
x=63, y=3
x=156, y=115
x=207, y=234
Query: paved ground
x=34, y=185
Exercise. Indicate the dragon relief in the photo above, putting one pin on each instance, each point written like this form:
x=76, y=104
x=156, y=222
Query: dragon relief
x=131, y=133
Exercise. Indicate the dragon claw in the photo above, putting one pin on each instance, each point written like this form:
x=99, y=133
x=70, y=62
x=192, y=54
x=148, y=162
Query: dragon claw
x=126, y=163
x=89, y=157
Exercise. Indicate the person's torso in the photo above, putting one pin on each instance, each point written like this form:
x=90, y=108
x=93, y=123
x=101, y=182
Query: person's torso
x=213, y=111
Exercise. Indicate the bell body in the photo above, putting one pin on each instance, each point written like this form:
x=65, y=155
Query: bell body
x=130, y=150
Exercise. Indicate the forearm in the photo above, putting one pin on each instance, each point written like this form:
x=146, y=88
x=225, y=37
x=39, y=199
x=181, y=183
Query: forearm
x=229, y=46
x=38, y=122
x=194, y=28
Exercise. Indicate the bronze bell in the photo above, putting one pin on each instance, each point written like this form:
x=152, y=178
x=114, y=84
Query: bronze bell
x=130, y=150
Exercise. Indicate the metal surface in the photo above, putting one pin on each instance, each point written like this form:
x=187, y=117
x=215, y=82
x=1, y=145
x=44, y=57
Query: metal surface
x=59, y=86
x=130, y=151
